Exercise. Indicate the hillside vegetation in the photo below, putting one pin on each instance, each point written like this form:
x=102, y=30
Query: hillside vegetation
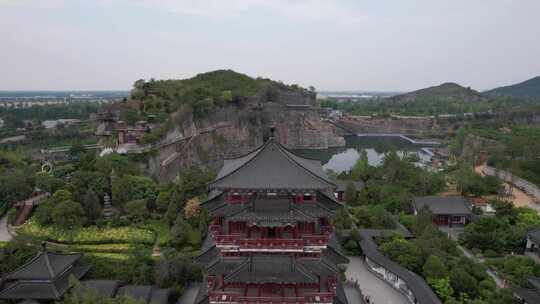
x=206, y=91
x=529, y=88
x=449, y=91
x=447, y=98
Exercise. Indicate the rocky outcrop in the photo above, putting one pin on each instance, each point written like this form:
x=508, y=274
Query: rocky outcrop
x=477, y=148
x=236, y=130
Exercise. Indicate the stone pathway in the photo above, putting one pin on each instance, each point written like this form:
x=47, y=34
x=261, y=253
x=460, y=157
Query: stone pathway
x=498, y=281
x=4, y=234
x=379, y=291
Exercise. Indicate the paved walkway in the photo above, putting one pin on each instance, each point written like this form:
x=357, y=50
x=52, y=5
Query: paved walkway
x=4, y=235
x=379, y=291
x=498, y=281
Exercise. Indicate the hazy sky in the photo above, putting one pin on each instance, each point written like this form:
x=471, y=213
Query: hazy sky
x=332, y=45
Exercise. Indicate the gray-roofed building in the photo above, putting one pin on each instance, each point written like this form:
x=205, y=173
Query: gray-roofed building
x=342, y=185
x=447, y=210
x=272, y=167
x=44, y=277
x=271, y=240
x=105, y=288
x=529, y=295
x=404, y=280
x=533, y=241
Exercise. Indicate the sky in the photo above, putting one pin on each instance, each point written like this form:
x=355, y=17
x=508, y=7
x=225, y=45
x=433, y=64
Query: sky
x=380, y=45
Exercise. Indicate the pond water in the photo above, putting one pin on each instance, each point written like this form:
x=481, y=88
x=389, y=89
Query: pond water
x=343, y=158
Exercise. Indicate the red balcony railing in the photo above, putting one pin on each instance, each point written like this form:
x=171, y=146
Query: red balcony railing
x=266, y=243
x=225, y=297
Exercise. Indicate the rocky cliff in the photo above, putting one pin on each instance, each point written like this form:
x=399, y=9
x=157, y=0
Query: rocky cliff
x=222, y=114
x=233, y=131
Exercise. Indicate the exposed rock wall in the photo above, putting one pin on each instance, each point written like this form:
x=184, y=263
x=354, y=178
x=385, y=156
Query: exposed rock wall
x=236, y=130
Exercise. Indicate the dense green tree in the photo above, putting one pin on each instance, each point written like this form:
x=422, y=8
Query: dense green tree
x=136, y=209
x=487, y=233
x=163, y=199
x=361, y=169
x=463, y=283
x=442, y=287
x=48, y=183
x=434, y=268
x=130, y=187
x=350, y=194
x=68, y=214
x=403, y=252
x=91, y=205
x=180, y=232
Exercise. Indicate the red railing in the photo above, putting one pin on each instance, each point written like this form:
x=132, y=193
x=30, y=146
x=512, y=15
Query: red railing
x=242, y=242
x=316, y=240
x=225, y=297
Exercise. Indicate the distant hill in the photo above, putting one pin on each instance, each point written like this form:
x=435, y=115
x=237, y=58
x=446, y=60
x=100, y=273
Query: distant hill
x=448, y=91
x=529, y=88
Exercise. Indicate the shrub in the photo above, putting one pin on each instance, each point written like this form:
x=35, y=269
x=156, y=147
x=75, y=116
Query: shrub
x=136, y=209
x=86, y=235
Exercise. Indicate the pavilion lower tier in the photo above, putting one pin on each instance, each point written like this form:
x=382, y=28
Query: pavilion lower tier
x=270, y=293
x=243, y=236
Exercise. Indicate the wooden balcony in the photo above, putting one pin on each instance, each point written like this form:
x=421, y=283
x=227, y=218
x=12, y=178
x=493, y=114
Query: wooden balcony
x=226, y=297
x=246, y=244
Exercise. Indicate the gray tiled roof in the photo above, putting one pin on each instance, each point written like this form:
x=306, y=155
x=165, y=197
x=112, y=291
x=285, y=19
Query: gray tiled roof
x=443, y=204
x=266, y=268
x=421, y=290
x=136, y=292
x=342, y=185
x=43, y=289
x=529, y=295
x=341, y=297
x=106, y=288
x=271, y=269
x=271, y=166
x=534, y=235
x=44, y=266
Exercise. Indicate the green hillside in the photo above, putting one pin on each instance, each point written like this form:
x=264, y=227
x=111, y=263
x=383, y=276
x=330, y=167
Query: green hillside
x=448, y=91
x=526, y=89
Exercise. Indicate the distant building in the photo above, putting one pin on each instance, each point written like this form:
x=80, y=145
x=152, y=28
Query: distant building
x=339, y=193
x=529, y=295
x=533, y=241
x=51, y=124
x=447, y=210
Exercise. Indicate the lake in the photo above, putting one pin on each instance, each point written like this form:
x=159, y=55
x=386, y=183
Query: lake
x=343, y=158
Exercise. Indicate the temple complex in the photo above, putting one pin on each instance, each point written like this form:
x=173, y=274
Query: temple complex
x=271, y=240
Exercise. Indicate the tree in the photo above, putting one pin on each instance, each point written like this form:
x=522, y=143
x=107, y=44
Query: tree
x=136, y=209
x=163, y=199
x=403, y=252
x=180, y=232
x=192, y=208
x=77, y=149
x=361, y=168
x=442, y=287
x=463, y=283
x=350, y=194
x=434, y=268
x=48, y=183
x=68, y=214
x=91, y=205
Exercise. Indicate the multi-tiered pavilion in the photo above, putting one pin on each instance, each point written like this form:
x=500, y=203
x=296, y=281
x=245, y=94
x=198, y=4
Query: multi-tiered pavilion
x=271, y=240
